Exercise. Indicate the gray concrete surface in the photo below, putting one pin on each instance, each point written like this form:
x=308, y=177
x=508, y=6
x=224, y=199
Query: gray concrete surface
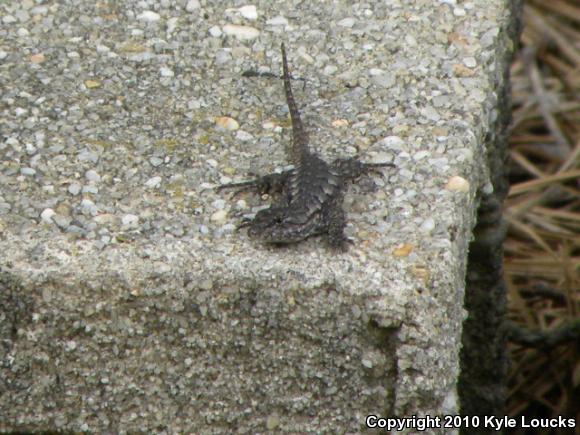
x=128, y=301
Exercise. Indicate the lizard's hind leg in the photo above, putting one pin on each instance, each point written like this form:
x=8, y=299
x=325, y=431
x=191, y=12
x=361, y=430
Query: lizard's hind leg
x=335, y=219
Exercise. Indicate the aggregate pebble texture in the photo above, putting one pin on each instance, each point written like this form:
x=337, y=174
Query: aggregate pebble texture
x=128, y=301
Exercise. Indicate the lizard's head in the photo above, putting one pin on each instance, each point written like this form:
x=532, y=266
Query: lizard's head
x=273, y=225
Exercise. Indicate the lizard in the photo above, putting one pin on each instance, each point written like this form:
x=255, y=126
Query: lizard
x=310, y=195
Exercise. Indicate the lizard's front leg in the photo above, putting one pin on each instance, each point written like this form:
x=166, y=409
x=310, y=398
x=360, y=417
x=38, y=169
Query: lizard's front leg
x=352, y=168
x=268, y=184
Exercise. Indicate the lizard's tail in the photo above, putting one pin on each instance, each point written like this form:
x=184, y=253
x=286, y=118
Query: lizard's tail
x=298, y=132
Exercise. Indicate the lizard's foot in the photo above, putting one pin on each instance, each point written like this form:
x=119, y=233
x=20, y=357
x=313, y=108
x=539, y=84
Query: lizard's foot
x=374, y=168
x=246, y=222
x=340, y=244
